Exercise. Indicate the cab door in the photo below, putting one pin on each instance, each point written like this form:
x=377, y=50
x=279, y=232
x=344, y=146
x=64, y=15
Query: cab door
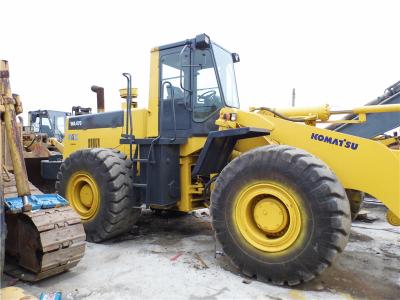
x=206, y=96
x=175, y=97
x=190, y=98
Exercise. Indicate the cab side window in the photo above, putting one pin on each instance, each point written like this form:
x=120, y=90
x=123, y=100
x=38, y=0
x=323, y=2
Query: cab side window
x=170, y=70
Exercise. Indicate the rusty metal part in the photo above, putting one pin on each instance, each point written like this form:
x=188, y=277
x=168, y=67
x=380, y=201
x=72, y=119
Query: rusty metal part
x=10, y=190
x=6, y=177
x=16, y=151
x=18, y=104
x=36, y=145
x=42, y=243
x=79, y=110
x=39, y=243
x=4, y=74
x=12, y=105
x=100, y=97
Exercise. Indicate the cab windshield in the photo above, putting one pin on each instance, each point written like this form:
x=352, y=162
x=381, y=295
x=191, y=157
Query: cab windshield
x=49, y=122
x=226, y=74
x=58, y=120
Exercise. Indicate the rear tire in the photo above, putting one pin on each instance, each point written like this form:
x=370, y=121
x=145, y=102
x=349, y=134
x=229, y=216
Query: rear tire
x=281, y=250
x=98, y=184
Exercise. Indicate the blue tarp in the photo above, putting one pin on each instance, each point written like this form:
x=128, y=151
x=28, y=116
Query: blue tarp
x=37, y=201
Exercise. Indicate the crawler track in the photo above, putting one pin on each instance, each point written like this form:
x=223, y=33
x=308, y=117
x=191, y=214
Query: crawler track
x=42, y=243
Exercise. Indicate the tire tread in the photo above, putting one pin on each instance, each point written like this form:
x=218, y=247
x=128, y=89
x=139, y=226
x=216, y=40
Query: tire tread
x=119, y=212
x=324, y=181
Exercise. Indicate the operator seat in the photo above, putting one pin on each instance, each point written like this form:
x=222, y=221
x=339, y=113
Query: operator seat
x=178, y=93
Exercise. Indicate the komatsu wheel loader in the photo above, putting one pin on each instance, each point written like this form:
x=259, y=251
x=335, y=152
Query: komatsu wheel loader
x=276, y=184
x=40, y=234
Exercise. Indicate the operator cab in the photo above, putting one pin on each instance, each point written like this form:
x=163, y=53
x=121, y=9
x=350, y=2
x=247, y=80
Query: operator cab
x=49, y=122
x=197, y=79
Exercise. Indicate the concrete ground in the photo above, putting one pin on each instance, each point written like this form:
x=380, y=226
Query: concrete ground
x=172, y=257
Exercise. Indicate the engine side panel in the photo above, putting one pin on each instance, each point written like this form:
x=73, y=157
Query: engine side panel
x=102, y=130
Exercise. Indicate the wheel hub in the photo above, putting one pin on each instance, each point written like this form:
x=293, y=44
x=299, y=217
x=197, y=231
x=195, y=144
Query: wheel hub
x=270, y=215
x=84, y=195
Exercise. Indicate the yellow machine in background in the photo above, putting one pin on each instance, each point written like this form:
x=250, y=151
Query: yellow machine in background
x=279, y=188
x=43, y=141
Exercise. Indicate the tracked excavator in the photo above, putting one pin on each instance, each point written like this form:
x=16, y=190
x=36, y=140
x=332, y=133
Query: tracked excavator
x=41, y=235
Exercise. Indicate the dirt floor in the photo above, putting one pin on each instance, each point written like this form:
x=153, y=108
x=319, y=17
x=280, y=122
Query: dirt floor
x=173, y=257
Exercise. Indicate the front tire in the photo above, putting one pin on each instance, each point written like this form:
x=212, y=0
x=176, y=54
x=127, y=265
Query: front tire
x=280, y=214
x=98, y=185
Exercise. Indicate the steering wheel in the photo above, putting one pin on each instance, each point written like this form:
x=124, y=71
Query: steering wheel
x=210, y=96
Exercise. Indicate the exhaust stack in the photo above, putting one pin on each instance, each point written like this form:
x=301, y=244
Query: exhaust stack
x=100, y=97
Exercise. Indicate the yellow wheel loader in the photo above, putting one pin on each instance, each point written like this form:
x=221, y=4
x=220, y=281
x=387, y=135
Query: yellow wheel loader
x=275, y=182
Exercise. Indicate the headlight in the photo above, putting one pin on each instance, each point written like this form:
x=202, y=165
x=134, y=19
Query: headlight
x=203, y=41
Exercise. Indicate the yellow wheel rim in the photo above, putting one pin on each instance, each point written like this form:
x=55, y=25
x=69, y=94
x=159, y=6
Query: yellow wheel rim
x=83, y=194
x=268, y=216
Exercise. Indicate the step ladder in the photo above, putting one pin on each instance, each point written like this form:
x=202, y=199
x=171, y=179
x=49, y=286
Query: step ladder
x=141, y=181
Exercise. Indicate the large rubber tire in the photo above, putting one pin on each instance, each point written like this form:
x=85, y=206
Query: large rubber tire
x=324, y=211
x=117, y=211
